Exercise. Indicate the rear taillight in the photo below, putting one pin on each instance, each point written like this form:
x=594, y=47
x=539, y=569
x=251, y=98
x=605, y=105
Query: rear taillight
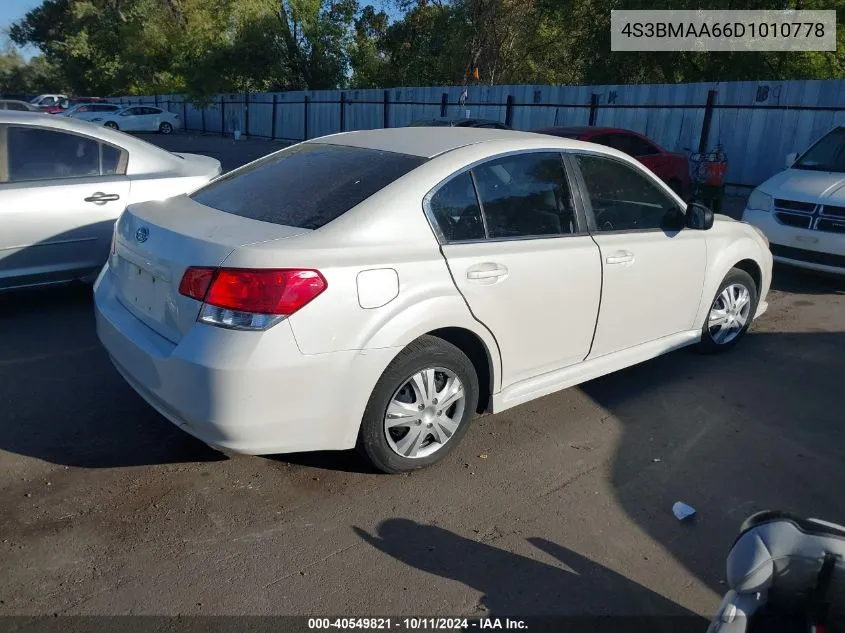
x=250, y=299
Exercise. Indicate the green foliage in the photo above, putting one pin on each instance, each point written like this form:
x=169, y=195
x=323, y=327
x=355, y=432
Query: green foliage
x=204, y=47
x=21, y=77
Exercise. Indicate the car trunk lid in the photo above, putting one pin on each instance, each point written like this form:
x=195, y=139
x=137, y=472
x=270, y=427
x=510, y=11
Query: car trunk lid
x=155, y=242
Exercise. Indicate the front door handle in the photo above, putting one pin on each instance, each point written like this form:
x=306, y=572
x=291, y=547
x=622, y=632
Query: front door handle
x=489, y=271
x=101, y=198
x=620, y=257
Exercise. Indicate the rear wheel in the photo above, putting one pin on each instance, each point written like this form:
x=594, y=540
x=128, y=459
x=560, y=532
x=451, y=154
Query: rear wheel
x=111, y=124
x=730, y=314
x=420, y=407
x=165, y=128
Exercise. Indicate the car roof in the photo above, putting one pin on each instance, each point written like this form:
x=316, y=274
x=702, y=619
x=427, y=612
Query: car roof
x=428, y=142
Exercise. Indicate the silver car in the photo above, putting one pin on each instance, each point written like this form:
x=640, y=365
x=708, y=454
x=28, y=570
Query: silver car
x=63, y=182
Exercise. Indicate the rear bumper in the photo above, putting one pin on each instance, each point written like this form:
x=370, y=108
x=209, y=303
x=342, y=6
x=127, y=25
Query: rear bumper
x=248, y=392
x=803, y=248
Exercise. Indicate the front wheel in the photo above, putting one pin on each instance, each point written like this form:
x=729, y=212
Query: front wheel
x=111, y=124
x=420, y=407
x=730, y=314
x=165, y=128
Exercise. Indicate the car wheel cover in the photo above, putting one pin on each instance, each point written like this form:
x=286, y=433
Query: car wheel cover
x=424, y=413
x=729, y=313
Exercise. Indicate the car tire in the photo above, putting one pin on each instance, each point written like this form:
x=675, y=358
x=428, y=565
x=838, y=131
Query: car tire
x=421, y=433
x=717, y=335
x=165, y=128
x=111, y=124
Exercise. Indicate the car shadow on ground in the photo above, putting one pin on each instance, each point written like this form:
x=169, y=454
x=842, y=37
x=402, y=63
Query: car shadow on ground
x=61, y=399
x=565, y=584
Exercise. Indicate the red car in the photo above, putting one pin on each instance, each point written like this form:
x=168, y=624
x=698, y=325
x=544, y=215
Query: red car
x=67, y=103
x=671, y=167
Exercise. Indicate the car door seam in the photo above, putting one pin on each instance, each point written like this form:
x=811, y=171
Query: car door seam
x=472, y=314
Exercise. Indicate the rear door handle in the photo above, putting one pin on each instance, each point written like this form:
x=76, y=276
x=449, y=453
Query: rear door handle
x=101, y=198
x=620, y=257
x=486, y=271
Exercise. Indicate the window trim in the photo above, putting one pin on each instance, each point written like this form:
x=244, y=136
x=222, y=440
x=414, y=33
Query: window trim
x=122, y=162
x=585, y=193
x=581, y=220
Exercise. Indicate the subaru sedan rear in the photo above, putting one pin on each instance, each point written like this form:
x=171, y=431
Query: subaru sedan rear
x=377, y=289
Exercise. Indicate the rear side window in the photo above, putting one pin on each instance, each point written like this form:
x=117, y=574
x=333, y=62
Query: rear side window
x=456, y=211
x=308, y=185
x=11, y=105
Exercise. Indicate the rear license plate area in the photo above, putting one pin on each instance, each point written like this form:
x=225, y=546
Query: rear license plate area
x=143, y=292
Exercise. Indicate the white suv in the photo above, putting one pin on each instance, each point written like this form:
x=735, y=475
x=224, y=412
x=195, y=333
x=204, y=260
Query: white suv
x=802, y=209
x=379, y=288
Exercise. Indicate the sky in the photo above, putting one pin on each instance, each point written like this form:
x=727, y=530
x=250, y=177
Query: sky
x=11, y=11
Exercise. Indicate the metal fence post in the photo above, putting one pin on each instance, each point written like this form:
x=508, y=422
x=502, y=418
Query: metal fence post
x=184, y=114
x=386, y=121
x=594, y=108
x=273, y=123
x=305, y=102
x=246, y=114
x=708, y=117
x=203, y=118
x=342, y=111
x=444, y=104
x=222, y=116
x=156, y=100
x=509, y=111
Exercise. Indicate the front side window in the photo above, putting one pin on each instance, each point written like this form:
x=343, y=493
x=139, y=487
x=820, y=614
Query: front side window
x=132, y=112
x=38, y=154
x=828, y=154
x=307, y=185
x=455, y=209
x=623, y=198
x=525, y=195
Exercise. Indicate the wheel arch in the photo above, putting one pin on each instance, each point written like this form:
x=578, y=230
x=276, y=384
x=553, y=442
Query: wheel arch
x=743, y=254
x=471, y=344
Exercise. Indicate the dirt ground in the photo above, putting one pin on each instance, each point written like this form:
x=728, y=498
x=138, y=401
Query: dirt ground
x=562, y=505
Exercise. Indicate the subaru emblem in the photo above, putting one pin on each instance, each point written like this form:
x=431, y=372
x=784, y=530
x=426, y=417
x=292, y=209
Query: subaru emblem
x=142, y=234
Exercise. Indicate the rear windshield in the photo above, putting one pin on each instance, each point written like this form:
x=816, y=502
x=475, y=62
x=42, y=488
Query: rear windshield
x=308, y=185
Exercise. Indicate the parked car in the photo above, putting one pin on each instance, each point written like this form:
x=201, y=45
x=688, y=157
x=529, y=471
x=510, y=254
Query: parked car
x=91, y=111
x=802, y=209
x=377, y=288
x=461, y=122
x=671, y=167
x=63, y=105
x=63, y=182
x=20, y=106
x=140, y=119
x=47, y=100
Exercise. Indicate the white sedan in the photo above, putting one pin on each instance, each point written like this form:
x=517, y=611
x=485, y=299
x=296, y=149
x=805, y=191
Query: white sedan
x=140, y=119
x=63, y=182
x=376, y=289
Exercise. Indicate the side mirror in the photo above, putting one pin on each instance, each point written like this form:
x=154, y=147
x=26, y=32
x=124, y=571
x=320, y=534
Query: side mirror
x=791, y=158
x=699, y=217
